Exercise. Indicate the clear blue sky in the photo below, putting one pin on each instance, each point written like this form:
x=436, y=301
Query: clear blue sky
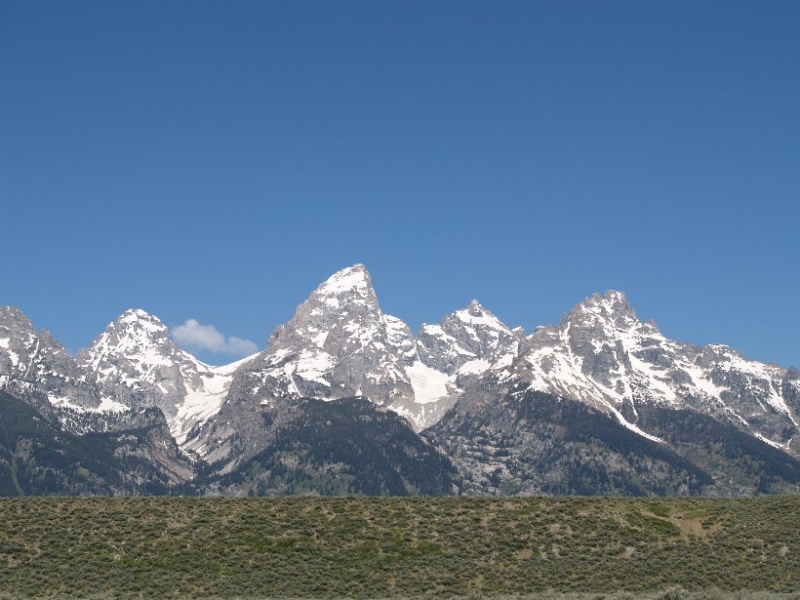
x=217, y=160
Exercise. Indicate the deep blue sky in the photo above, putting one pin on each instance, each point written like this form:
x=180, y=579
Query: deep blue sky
x=216, y=161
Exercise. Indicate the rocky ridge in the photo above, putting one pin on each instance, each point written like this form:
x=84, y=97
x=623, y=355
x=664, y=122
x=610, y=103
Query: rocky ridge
x=135, y=363
x=35, y=363
x=603, y=355
x=339, y=344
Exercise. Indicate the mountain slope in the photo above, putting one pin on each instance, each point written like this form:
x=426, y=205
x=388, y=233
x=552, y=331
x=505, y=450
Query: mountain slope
x=38, y=457
x=601, y=354
x=32, y=364
x=136, y=364
x=634, y=412
x=347, y=446
x=337, y=344
x=529, y=442
x=340, y=344
x=457, y=352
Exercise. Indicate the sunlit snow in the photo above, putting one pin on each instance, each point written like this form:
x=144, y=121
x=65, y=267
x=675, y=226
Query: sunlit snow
x=428, y=384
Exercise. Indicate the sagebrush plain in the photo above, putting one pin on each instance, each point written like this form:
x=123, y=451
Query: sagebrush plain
x=381, y=547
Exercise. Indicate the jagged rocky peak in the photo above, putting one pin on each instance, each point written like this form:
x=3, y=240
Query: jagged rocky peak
x=479, y=318
x=136, y=362
x=38, y=362
x=135, y=337
x=452, y=355
x=132, y=332
x=601, y=349
x=17, y=341
x=470, y=335
x=57, y=372
x=339, y=343
x=610, y=308
x=602, y=354
x=598, y=320
x=344, y=303
x=352, y=284
x=13, y=319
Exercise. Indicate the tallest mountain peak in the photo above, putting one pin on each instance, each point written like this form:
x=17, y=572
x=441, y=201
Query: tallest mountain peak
x=337, y=345
x=612, y=303
x=352, y=279
x=358, y=270
x=137, y=316
x=602, y=311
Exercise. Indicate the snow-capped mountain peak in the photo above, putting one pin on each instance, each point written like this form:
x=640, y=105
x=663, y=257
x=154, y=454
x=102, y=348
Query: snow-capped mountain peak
x=136, y=362
x=611, y=309
x=471, y=337
x=454, y=354
x=17, y=341
x=355, y=280
x=602, y=354
x=134, y=337
x=346, y=290
x=37, y=362
x=338, y=344
x=476, y=315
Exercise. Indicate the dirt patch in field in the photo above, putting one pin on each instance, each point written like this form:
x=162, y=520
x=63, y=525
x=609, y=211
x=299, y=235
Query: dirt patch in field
x=694, y=527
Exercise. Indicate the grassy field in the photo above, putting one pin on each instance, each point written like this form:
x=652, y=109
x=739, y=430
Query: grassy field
x=363, y=547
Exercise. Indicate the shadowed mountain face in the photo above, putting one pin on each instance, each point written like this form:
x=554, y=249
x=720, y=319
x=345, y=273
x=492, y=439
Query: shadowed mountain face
x=37, y=457
x=609, y=404
x=530, y=442
x=343, y=447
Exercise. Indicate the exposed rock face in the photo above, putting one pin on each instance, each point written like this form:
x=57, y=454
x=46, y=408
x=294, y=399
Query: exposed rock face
x=528, y=442
x=348, y=446
x=603, y=355
x=467, y=335
x=31, y=363
x=38, y=456
x=339, y=344
x=401, y=340
x=453, y=355
x=18, y=342
x=468, y=343
x=135, y=364
x=132, y=362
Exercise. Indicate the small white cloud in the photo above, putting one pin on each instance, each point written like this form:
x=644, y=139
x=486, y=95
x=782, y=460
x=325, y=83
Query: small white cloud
x=194, y=336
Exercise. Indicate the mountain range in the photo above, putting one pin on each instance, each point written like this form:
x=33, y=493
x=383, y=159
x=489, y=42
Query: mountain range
x=348, y=400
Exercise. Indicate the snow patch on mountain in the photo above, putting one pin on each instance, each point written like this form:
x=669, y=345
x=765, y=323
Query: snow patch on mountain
x=429, y=384
x=347, y=281
x=107, y=405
